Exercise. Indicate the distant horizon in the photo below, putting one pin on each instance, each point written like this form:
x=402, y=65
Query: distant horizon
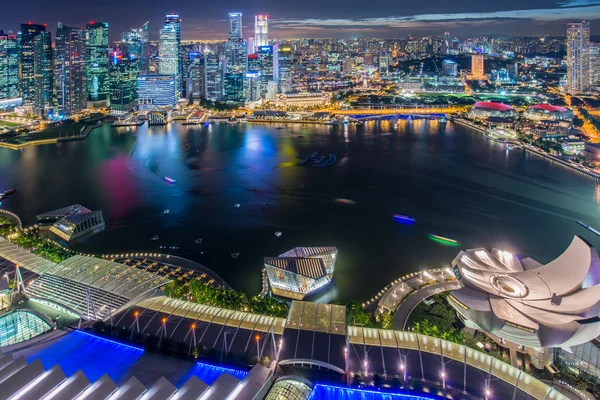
x=384, y=19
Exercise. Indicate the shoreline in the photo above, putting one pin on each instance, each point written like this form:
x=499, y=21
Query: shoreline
x=81, y=136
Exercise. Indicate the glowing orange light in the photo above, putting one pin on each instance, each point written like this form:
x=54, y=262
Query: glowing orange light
x=257, y=338
x=135, y=314
x=164, y=320
x=193, y=326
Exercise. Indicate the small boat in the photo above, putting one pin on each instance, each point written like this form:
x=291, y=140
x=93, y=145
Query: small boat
x=444, y=240
x=2, y=196
x=170, y=180
x=443, y=120
x=396, y=125
x=404, y=219
x=166, y=211
x=278, y=233
x=385, y=134
x=9, y=191
x=344, y=201
x=586, y=226
x=198, y=241
x=237, y=205
x=360, y=123
x=155, y=237
x=235, y=255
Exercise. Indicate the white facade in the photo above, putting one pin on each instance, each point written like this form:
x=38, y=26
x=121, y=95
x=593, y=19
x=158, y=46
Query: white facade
x=261, y=31
x=578, y=57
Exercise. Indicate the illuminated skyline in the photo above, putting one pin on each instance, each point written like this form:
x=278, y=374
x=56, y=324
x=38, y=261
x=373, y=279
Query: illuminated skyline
x=383, y=18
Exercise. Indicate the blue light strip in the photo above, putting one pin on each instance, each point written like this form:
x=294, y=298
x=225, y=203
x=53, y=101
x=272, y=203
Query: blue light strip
x=383, y=394
x=108, y=340
x=235, y=371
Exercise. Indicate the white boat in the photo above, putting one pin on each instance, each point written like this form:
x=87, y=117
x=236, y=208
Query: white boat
x=278, y=233
x=443, y=120
x=396, y=125
x=155, y=237
x=237, y=205
x=166, y=211
x=198, y=241
x=235, y=255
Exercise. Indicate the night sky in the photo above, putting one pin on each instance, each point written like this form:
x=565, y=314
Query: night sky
x=202, y=19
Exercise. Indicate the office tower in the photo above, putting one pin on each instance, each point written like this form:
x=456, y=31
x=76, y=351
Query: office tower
x=69, y=70
x=265, y=54
x=334, y=61
x=446, y=44
x=384, y=63
x=477, y=66
x=9, y=65
x=578, y=57
x=235, y=26
x=97, y=65
x=42, y=73
x=213, y=77
x=136, y=45
x=252, y=82
x=594, y=63
x=169, y=49
x=368, y=58
x=261, y=31
x=449, y=68
x=123, y=84
x=155, y=91
x=285, y=54
x=195, y=77
x=26, y=61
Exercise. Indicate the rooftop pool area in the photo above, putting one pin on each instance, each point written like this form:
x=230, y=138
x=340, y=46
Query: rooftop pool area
x=97, y=356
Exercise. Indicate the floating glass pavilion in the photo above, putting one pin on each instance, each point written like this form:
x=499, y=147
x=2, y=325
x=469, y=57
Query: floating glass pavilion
x=300, y=271
x=72, y=222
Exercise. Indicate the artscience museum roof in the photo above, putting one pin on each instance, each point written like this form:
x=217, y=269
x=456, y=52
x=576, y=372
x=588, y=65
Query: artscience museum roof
x=525, y=302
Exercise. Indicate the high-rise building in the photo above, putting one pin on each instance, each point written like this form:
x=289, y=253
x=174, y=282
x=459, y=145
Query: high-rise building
x=578, y=57
x=252, y=82
x=594, y=63
x=347, y=66
x=69, y=70
x=136, y=45
x=265, y=54
x=155, y=91
x=9, y=65
x=285, y=54
x=213, y=77
x=261, y=31
x=449, y=68
x=123, y=83
x=97, y=65
x=384, y=63
x=195, y=79
x=446, y=43
x=334, y=61
x=42, y=73
x=169, y=49
x=235, y=26
x=26, y=61
x=477, y=70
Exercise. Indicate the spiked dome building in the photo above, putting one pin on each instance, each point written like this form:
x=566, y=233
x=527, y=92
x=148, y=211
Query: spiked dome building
x=301, y=271
x=525, y=302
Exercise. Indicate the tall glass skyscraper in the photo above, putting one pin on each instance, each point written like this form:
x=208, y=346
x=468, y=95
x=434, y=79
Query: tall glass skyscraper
x=123, y=75
x=136, y=45
x=26, y=61
x=155, y=91
x=284, y=66
x=97, y=70
x=42, y=73
x=261, y=31
x=578, y=57
x=235, y=26
x=265, y=53
x=9, y=65
x=213, y=76
x=69, y=69
x=169, y=49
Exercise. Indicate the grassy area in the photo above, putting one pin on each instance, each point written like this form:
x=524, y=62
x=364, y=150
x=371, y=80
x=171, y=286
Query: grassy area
x=357, y=316
x=58, y=131
x=9, y=124
x=42, y=247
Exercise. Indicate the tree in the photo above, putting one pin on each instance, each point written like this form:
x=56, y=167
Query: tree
x=377, y=381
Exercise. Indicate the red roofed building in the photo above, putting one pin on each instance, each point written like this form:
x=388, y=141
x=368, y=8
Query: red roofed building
x=486, y=109
x=548, y=112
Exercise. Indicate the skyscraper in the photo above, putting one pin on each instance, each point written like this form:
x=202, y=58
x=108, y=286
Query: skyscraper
x=213, y=77
x=284, y=65
x=261, y=31
x=123, y=75
x=449, y=68
x=42, y=73
x=578, y=57
x=265, y=54
x=26, y=61
x=477, y=70
x=69, y=69
x=235, y=26
x=9, y=65
x=155, y=91
x=594, y=63
x=97, y=66
x=169, y=49
x=136, y=45
x=252, y=81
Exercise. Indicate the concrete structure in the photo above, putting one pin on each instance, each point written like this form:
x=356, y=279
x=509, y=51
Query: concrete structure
x=69, y=70
x=9, y=66
x=169, y=50
x=477, y=70
x=528, y=303
x=302, y=100
x=43, y=74
x=26, y=61
x=578, y=57
x=300, y=271
x=487, y=109
x=156, y=91
x=97, y=70
x=261, y=31
x=547, y=112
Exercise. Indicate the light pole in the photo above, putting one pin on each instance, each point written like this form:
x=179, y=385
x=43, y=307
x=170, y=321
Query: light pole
x=258, y=347
x=444, y=382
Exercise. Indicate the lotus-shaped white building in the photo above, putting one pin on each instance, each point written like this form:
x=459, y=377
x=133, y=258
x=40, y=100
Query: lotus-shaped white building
x=525, y=302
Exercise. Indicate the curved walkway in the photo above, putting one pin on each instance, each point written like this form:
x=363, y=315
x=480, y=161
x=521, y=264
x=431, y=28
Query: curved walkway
x=404, y=294
x=13, y=218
